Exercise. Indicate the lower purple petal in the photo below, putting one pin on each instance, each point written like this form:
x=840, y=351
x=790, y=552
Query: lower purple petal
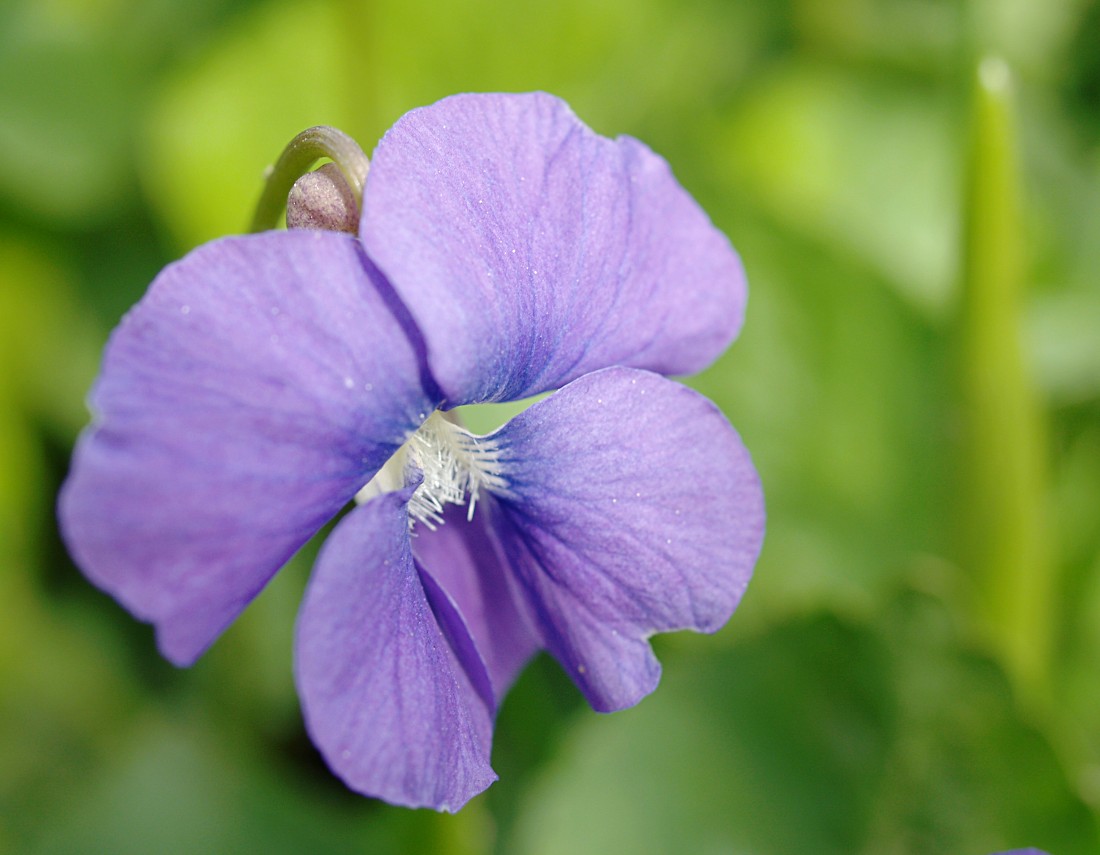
x=632, y=508
x=464, y=557
x=385, y=698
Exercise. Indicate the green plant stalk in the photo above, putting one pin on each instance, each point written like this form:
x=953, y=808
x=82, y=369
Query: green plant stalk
x=1003, y=489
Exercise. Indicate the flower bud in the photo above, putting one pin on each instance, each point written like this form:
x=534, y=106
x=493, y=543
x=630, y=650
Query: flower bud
x=322, y=199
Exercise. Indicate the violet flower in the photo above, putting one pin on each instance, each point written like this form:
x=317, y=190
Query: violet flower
x=1028, y=851
x=504, y=250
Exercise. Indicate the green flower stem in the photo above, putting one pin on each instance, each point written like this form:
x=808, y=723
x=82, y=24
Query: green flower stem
x=1002, y=468
x=300, y=154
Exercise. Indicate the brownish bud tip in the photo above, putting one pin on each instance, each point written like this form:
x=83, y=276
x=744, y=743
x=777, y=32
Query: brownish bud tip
x=322, y=199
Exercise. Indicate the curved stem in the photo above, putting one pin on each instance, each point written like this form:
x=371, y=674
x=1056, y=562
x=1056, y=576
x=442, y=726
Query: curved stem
x=300, y=154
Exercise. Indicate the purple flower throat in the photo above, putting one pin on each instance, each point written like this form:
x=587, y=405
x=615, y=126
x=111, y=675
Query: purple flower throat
x=501, y=249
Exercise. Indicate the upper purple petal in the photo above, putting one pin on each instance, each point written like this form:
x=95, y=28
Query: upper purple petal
x=259, y=383
x=632, y=508
x=530, y=250
x=386, y=698
x=464, y=557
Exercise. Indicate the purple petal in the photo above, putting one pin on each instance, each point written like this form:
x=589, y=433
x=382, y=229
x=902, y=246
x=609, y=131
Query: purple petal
x=464, y=557
x=242, y=402
x=530, y=250
x=633, y=508
x=1028, y=851
x=385, y=698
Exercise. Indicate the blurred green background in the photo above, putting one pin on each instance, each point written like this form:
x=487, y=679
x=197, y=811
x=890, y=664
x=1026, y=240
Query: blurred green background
x=914, y=668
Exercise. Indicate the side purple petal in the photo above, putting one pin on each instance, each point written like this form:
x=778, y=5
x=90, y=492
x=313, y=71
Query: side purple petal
x=259, y=383
x=464, y=557
x=385, y=697
x=1028, y=851
x=632, y=508
x=531, y=250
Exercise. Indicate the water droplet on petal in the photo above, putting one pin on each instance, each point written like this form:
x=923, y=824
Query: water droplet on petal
x=185, y=310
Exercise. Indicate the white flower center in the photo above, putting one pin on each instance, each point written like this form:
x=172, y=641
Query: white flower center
x=454, y=464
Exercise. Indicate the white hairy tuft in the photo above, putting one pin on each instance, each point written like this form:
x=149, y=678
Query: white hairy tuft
x=453, y=464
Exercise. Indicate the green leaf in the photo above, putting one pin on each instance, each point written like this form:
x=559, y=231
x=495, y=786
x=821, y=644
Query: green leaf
x=1002, y=479
x=821, y=735
x=969, y=769
x=864, y=163
x=775, y=746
